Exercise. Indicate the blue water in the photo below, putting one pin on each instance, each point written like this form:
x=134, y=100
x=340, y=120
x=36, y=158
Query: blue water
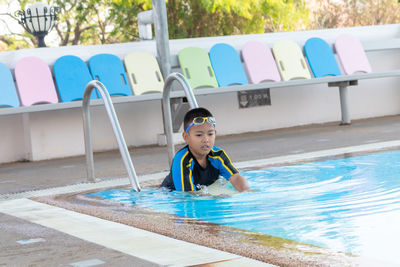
x=349, y=205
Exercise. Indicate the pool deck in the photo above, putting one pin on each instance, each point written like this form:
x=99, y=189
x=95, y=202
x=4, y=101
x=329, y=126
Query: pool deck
x=35, y=233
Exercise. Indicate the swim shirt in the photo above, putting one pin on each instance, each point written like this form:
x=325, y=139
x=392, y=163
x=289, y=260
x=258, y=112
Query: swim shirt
x=186, y=173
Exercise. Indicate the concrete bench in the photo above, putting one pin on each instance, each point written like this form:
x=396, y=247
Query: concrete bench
x=330, y=81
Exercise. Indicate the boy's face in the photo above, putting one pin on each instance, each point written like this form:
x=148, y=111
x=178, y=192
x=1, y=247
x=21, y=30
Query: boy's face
x=201, y=139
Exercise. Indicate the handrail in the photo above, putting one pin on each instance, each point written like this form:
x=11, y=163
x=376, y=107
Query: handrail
x=167, y=108
x=117, y=132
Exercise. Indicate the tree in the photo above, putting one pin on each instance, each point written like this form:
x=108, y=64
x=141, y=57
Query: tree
x=350, y=13
x=85, y=22
x=195, y=18
x=328, y=14
x=290, y=15
x=12, y=39
x=124, y=16
x=79, y=22
x=112, y=21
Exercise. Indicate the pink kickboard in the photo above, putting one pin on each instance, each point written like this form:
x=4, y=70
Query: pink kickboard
x=259, y=63
x=35, y=82
x=351, y=55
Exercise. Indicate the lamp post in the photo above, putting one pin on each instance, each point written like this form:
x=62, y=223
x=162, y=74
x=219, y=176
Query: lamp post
x=38, y=19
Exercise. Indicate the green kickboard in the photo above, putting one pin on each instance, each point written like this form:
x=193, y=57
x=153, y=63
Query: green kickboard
x=196, y=67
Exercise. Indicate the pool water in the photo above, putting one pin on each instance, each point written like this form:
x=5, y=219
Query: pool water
x=349, y=205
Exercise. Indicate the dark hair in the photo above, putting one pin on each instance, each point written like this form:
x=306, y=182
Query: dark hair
x=193, y=113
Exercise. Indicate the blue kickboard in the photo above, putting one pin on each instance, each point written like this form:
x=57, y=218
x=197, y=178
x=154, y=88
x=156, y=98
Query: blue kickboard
x=72, y=75
x=321, y=58
x=227, y=65
x=109, y=70
x=8, y=92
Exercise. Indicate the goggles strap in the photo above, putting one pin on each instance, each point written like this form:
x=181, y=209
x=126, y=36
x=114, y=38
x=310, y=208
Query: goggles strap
x=204, y=119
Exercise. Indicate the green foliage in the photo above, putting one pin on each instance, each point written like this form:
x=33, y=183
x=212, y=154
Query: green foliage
x=123, y=13
x=82, y=21
x=111, y=21
x=287, y=15
x=191, y=18
x=12, y=42
x=196, y=18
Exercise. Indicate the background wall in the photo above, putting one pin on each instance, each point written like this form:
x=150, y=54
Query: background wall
x=59, y=133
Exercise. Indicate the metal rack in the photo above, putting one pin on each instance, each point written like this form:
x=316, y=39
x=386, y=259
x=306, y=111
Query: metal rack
x=117, y=132
x=167, y=108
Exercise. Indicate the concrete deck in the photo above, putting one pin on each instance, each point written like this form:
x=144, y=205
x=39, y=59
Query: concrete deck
x=56, y=248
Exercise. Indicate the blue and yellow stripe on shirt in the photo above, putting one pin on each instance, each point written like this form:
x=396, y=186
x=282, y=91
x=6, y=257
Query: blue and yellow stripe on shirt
x=190, y=167
x=182, y=170
x=220, y=160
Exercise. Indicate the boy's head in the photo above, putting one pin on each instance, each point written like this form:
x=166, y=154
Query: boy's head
x=192, y=114
x=199, y=131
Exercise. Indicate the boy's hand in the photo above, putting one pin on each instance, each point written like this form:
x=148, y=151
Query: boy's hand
x=239, y=182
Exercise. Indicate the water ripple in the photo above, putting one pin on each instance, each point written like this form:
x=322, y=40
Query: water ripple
x=350, y=204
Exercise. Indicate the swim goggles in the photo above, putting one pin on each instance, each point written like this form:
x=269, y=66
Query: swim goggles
x=201, y=121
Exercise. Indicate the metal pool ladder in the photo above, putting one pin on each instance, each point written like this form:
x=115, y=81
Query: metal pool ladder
x=167, y=108
x=117, y=132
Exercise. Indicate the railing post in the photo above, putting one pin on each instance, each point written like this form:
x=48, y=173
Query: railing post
x=167, y=108
x=343, y=92
x=162, y=38
x=117, y=132
x=87, y=132
x=145, y=19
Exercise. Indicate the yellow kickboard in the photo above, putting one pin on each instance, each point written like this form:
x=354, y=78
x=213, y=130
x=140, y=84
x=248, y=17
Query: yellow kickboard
x=290, y=61
x=143, y=73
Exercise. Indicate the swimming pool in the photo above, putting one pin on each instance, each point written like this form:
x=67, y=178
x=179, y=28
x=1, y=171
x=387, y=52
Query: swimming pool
x=350, y=205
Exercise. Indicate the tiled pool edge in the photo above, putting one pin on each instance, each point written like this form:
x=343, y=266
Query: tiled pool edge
x=80, y=187
x=143, y=244
x=261, y=247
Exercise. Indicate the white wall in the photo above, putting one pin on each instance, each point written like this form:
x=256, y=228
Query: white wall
x=12, y=144
x=58, y=133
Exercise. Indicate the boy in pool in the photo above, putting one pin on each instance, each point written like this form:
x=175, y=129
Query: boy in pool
x=200, y=162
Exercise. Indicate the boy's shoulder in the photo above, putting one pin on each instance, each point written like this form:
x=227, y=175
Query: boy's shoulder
x=184, y=152
x=216, y=151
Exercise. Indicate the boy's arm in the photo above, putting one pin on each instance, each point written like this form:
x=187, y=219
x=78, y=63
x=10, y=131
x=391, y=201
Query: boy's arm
x=239, y=182
x=232, y=174
x=181, y=174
